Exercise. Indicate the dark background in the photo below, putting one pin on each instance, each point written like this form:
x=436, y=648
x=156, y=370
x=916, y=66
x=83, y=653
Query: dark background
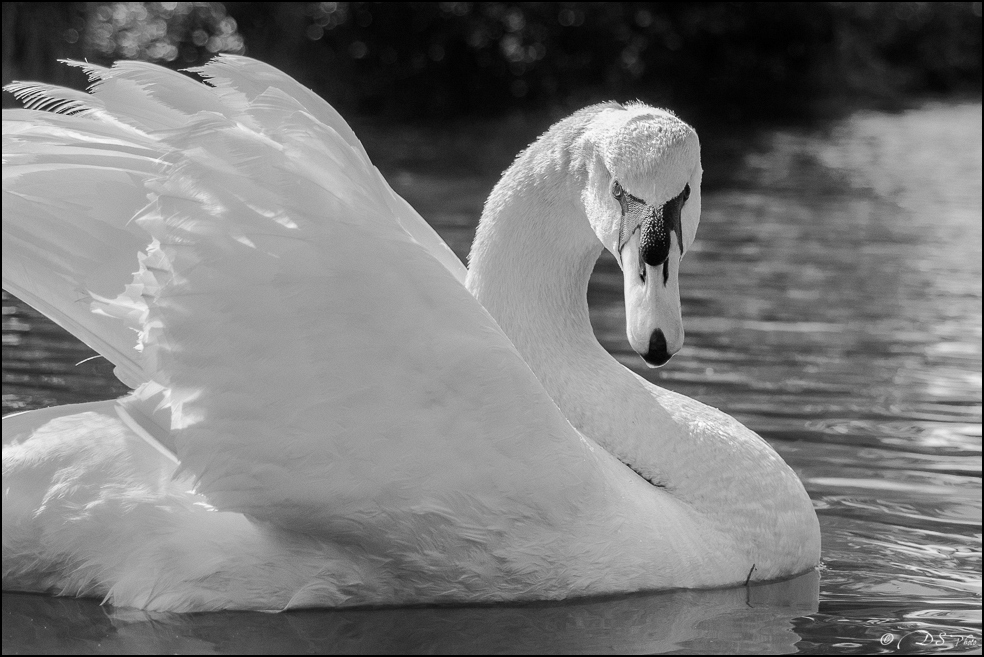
x=406, y=74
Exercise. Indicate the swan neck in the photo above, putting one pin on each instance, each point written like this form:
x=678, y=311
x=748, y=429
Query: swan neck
x=531, y=261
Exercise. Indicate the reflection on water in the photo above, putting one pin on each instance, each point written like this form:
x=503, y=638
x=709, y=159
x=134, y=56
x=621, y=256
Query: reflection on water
x=753, y=620
x=832, y=303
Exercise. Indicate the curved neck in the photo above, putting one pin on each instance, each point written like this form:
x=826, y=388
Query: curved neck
x=534, y=249
x=530, y=264
x=533, y=254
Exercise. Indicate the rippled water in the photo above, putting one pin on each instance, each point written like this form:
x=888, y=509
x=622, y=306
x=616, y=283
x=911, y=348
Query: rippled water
x=832, y=303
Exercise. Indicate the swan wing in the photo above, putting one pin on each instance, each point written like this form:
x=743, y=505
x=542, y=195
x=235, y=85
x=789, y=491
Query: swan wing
x=306, y=356
x=73, y=187
x=244, y=79
x=110, y=159
x=70, y=189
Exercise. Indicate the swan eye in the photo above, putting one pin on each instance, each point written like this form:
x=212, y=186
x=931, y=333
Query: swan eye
x=617, y=190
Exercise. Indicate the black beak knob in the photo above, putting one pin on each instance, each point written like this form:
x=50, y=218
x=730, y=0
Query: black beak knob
x=654, y=241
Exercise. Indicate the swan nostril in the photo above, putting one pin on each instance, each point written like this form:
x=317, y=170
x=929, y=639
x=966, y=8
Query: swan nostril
x=658, y=354
x=654, y=242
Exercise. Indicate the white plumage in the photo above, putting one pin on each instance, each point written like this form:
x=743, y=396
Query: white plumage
x=324, y=414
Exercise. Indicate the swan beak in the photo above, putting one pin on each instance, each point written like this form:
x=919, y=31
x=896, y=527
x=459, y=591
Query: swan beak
x=653, y=321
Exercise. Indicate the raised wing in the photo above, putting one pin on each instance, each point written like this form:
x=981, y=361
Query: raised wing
x=87, y=179
x=311, y=360
x=69, y=190
x=241, y=78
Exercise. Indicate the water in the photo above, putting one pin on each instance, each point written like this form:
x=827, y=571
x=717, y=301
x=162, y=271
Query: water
x=832, y=303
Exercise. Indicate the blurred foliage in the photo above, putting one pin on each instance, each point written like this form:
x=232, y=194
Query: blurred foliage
x=451, y=58
x=741, y=61
x=36, y=34
x=160, y=31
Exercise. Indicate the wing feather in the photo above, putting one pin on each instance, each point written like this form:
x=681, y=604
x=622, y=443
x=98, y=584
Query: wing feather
x=243, y=80
x=309, y=358
x=71, y=185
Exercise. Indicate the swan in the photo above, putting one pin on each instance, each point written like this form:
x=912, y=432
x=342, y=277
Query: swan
x=328, y=409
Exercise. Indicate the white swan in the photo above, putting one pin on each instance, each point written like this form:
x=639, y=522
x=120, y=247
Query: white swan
x=323, y=414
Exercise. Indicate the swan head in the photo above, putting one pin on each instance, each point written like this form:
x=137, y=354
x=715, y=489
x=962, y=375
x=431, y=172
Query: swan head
x=642, y=199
